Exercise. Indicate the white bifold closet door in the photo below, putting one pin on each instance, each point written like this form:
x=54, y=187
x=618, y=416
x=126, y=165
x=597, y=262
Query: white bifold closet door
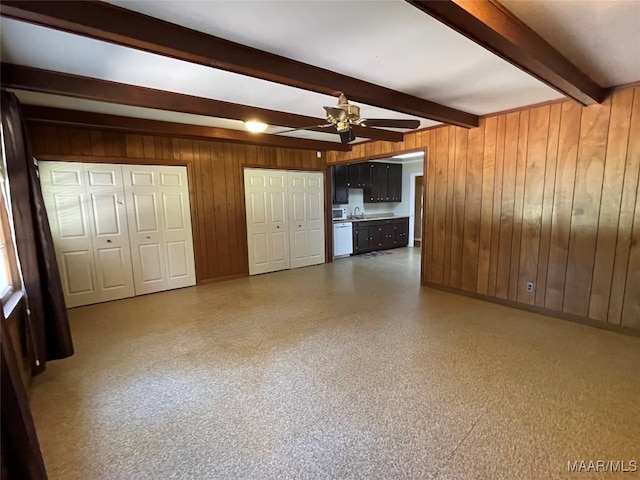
x=160, y=235
x=285, y=219
x=118, y=231
x=87, y=215
x=306, y=218
x=267, y=220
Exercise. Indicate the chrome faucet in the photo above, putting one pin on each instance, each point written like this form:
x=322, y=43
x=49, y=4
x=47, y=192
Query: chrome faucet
x=355, y=215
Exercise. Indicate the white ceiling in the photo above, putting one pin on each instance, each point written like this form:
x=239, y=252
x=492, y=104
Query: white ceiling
x=601, y=37
x=390, y=43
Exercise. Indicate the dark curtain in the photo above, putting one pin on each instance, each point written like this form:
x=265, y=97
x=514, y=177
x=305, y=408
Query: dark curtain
x=48, y=319
x=19, y=448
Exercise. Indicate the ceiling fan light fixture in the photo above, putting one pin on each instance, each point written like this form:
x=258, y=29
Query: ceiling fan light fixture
x=255, y=127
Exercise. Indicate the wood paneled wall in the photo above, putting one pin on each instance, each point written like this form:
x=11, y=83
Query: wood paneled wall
x=547, y=195
x=215, y=181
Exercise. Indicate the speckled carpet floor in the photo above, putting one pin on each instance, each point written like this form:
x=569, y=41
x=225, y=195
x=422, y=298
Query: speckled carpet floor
x=341, y=371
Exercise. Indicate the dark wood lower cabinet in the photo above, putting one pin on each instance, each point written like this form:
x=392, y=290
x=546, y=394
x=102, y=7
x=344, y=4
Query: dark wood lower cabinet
x=370, y=235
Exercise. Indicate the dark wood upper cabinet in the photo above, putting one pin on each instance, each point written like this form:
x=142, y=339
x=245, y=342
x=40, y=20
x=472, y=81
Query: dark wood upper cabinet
x=360, y=175
x=340, y=184
x=386, y=183
x=394, y=182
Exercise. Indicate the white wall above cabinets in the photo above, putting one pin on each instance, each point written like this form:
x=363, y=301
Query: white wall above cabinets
x=112, y=233
x=285, y=219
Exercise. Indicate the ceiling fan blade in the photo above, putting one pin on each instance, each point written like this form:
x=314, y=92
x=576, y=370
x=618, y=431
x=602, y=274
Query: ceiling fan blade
x=348, y=136
x=391, y=123
x=326, y=125
x=337, y=113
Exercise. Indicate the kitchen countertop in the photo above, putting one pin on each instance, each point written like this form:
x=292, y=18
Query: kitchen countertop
x=368, y=218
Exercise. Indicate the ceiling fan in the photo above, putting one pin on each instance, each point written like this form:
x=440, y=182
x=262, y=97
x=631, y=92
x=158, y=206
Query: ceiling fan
x=345, y=115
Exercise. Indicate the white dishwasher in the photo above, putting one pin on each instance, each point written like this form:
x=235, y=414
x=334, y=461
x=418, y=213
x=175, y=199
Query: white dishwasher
x=342, y=239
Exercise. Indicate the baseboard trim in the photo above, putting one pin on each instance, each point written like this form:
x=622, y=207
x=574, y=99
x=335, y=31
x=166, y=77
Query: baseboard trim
x=539, y=310
x=222, y=279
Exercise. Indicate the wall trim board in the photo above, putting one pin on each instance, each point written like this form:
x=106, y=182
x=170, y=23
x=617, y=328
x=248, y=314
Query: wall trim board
x=381, y=156
x=620, y=329
x=276, y=167
x=116, y=160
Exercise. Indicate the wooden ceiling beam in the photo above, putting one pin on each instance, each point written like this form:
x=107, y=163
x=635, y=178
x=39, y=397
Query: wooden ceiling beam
x=490, y=25
x=46, y=81
x=77, y=118
x=124, y=27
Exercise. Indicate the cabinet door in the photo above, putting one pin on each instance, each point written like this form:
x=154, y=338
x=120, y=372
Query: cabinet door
x=354, y=175
x=395, y=182
x=401, y=233
x=365, y=175
x=340, y=184
x=378, y=189
x=379, y=179
x=388, y=236
x=360, y=175
x=360, y=239
x=375, y=238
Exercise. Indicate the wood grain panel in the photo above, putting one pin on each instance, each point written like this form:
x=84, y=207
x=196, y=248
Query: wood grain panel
x=472, y=205
x=570, y=120
x=215, y=181
x=451, y=162
x=507, y=207
x=521, y=178
x=622, y=264
x=614, y=170
x=486, y=209
x=631, y=306
x=547, y=203
x=427, y=236
x=497, y=205
x=440, y=204
x=532, y=206
x=220, y=206
x=586, y=205
x=457, y=236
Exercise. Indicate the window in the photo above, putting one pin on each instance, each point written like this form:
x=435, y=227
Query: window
x=10, y=281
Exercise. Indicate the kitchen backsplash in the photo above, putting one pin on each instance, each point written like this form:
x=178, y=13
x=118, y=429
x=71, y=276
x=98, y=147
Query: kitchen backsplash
x=356, y=200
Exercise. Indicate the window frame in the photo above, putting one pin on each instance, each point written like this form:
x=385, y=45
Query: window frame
x=12, y=292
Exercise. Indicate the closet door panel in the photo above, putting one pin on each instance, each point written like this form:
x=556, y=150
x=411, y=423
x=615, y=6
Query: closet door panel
x=65, y=198
x=176, y=227
x=145, y=236
x=112, y=253
x=160, y=227
x=267, y=220
x=306, y=198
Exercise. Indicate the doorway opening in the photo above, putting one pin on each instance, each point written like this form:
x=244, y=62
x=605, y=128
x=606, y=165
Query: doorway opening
x=376, y=200
x=417, y=209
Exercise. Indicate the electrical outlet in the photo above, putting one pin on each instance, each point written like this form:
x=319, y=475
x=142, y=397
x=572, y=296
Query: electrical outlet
x=529, y=286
